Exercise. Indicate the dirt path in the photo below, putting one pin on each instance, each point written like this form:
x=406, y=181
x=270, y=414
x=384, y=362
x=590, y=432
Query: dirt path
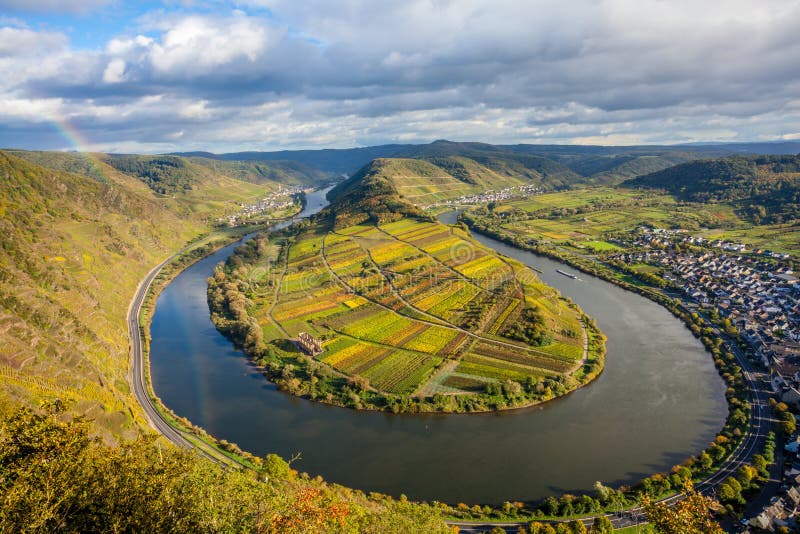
x=449, y=326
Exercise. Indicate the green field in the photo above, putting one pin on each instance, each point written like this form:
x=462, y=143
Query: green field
x=403, y=306
x=585, y=219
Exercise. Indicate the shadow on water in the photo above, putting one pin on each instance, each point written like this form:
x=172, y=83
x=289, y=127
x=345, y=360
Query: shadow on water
x=659, y=401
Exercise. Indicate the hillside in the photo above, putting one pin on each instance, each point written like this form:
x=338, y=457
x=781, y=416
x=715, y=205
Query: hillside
x=73, y=251
x=74, y=248
x=371, y=194
x=764, y=188
x=171, y=175
x=281, y=172
x=412, y=315
x=403, y=185
x=561, y=165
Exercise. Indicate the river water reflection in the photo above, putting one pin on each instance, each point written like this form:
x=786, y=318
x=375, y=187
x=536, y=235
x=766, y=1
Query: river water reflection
x=659, y=401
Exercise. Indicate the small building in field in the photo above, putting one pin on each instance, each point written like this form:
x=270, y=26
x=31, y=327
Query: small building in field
x=309, y=344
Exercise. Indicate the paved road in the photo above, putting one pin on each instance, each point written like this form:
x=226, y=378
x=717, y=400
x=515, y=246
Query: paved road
x=137, y=376
x=760, y=423
x=752, y=443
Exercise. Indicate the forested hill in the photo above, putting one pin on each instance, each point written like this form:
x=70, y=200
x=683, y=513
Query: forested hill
x=764, y=188
x=561, y=165
x=370, y=195
x=388, y=188
x=170, y=175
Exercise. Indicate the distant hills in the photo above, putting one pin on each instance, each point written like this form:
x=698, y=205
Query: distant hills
x=169, y=174
x=765, y=188
x=560, y=163
x=461, y=168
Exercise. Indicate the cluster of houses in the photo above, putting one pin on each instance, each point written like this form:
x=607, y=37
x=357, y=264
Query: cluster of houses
x=665, y=237
x=508, y=193
x=277, y=200
x=759, y=297
x=782, y=511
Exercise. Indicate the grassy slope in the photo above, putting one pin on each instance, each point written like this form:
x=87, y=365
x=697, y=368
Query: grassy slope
x=73, y=251
x=422, y=182
x=378, y=195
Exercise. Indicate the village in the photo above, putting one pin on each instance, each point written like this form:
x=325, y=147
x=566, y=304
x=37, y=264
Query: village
x=758, y=296
x=283, y=198
x=506, y=194
x=756, y=293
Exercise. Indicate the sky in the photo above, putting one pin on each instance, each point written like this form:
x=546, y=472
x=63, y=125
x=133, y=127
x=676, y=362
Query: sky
x=223, y=76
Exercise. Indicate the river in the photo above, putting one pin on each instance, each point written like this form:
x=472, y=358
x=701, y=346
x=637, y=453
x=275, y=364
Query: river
x=659, y=401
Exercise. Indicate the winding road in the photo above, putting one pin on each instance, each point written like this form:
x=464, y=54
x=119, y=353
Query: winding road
x=137, y=374
x=752, y=443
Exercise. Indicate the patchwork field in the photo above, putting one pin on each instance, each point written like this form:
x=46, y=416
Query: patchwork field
x=586, y=217
x=412, y=308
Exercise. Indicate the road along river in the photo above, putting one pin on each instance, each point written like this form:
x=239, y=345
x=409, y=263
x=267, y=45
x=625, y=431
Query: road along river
x=659, y=401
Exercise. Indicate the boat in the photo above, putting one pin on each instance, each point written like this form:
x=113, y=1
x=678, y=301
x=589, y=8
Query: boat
x=559, y=271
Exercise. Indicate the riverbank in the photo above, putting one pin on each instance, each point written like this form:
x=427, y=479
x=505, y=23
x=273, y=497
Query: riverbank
x=243, y=279
x=739, y=394
x=654, y=384
x=177, y=428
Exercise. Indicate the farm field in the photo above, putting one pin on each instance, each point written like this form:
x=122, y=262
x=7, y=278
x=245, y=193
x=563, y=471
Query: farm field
x=410, y=308
x=587, y=216
x=586, y=219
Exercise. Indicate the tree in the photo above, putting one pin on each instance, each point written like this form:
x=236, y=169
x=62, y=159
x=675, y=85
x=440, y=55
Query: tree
x=541, y=528
x=604, y=493
x=55, y=477
x=761, y=465
x=745, y=475
x=602, y=525
x=788, y=425
x=551, y=506
x=276, y=467
x=706, y=461
x=692, y=515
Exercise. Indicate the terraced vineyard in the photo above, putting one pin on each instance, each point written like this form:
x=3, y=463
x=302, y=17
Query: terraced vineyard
x=406, y=309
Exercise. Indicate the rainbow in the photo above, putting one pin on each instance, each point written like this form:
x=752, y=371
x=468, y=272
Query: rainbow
x=78, y=143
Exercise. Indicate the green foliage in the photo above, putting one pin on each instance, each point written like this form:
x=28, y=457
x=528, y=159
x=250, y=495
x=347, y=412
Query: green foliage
x=162, y=174
x=602, y=525
x=530, y=328
x=788, y=424
x=276, y=467
x=56, y=477
x=765, y=188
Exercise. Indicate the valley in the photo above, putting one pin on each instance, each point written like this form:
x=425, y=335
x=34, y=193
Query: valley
x=409, y=314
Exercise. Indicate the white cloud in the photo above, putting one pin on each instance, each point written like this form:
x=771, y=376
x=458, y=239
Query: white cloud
x=357, y=71
x=197, y=45
x=22, y=42
x=115, y=71
x=27, y=109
